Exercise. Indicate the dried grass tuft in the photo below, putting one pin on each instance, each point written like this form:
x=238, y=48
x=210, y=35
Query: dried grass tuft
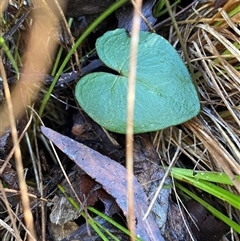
x=212, y=139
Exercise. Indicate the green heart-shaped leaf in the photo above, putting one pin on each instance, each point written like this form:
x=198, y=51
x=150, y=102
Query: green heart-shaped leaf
x=165, y=94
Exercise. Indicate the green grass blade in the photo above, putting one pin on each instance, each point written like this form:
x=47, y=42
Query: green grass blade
x=9, y=55
x=234, y=12
x=211, y=209
x=91, y=222
x=107, y=232
x=96, y=228
x=212, y=189
x=117, y=225
x=158, y=10
x=216, y=177
x=94, y=224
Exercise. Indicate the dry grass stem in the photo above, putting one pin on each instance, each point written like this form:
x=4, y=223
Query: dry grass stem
x=130, y=114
